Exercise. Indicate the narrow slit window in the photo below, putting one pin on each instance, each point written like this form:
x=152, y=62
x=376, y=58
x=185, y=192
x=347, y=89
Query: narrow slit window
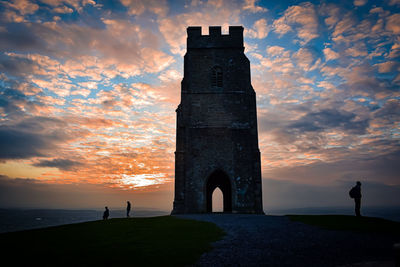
x=216, y=77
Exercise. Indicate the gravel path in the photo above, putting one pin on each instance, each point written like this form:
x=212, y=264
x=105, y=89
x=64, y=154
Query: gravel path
x=259, y=240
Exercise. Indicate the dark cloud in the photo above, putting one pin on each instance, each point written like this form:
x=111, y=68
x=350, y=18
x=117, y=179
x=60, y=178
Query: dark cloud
x=41, y=124
x=9, y=98
x=18, y=144
x=21, y=38
x=310, y=128
x=364, y=164
x=17, y=67
x=62, y=164
x=15, y=104
x=362, y=80
x=328, y=119
x=34, y=136
x=390, y=110
x=65, y=40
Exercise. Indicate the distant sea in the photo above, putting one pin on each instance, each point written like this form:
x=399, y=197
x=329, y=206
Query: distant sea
x=12, y=220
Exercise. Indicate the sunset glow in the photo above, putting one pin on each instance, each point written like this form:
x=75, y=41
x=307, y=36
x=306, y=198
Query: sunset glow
x=89, y=88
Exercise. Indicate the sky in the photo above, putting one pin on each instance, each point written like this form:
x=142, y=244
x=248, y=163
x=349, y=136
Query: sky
x=89, y=88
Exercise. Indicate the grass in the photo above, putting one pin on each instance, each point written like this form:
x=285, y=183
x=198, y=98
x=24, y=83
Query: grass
x=156, y=241
x=350, y=223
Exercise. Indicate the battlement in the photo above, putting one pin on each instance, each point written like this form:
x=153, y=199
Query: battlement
x=215, y=39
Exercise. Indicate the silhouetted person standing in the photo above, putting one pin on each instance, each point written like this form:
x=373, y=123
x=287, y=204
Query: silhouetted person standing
x=106, y=214
x=355, y=193
x=128, y=208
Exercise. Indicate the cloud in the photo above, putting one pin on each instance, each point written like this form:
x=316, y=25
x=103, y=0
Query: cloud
x=36, y=136
x=277, y=51
x=129, y=49
x=138, y=7
x=306, y=58
x=332, y=12
x=330, y=54
x=62, y=164
x=387, y=66
x=108, y=77
x=260, y=29
x=82, y=92
x=393, y=23
x=344, y=25
x=363, y=166
x=170, y=75
x=325, y=119
x=66, y=5
x=23, y=6
x=18, y=67
x=303, y=18
x=14, y=103
x=250, y=5
x=388, y=111
x=360, y=2
x=20, y=38
x=173, y=28
x=63, y=9
x=17, y=144
x=394, y=2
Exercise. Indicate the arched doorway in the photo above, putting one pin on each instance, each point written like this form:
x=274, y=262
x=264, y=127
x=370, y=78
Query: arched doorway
x=221, y=180
x=217, y=200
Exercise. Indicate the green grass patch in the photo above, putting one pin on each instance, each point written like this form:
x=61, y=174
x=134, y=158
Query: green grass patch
x=156, y=241
x=350, y=223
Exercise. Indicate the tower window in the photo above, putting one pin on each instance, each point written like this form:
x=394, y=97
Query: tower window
x=216, y=77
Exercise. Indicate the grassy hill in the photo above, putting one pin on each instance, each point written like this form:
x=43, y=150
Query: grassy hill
x=156, y=241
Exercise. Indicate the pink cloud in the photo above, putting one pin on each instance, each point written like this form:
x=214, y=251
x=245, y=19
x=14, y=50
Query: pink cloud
x=24, y=7
x=360, y=2
x=63, y=6
x=173, y=28
x=330, y=54
x=12, y=16
x=250, y=5
x=303, y=17
x=138, y=7
x=260, y=29
x=63, y=9
x=387, y=66
x=344, y=25
x=393, y=23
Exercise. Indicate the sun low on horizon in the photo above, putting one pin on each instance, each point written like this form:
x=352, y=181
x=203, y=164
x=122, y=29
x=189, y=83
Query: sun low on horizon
x=89, y=89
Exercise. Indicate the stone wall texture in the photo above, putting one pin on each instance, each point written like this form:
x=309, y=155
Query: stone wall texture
x=216, y=138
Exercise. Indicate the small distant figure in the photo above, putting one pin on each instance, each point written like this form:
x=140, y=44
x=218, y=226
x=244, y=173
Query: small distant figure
x=355, y=193
x=128, y=208
x=106, y=214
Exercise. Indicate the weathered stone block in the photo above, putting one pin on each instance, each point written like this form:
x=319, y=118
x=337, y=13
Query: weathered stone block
x=217, y=139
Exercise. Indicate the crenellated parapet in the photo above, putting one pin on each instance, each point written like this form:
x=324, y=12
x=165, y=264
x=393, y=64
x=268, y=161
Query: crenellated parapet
x=215, y=39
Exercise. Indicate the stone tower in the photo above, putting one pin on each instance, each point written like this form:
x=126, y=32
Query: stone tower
x=216, y=135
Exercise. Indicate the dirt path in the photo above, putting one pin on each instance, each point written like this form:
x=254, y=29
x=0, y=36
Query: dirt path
x=259, y=240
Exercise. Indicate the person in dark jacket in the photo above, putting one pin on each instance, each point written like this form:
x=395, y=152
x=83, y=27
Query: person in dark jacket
x=128, y=208
x=357, y=198
x=106, y=214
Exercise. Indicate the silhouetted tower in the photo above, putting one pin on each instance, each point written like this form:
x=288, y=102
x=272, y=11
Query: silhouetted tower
x=216, y=136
